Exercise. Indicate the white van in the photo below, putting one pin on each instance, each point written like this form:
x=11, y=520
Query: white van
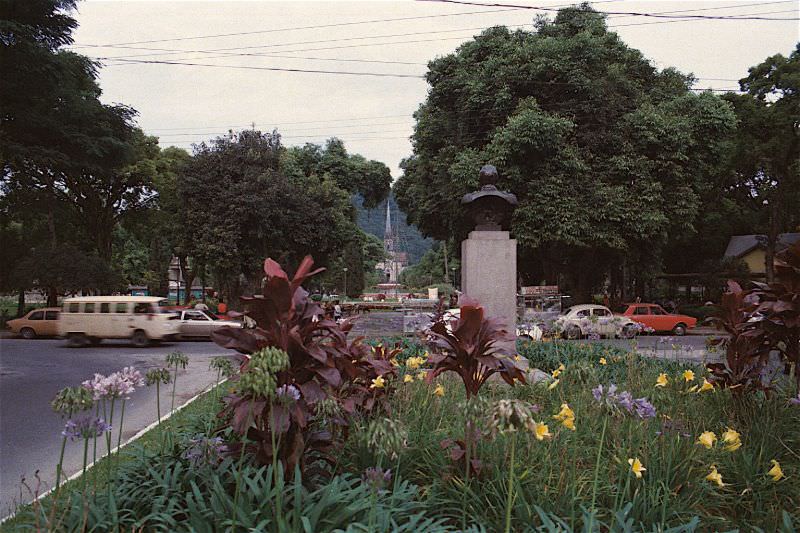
x=90, y=319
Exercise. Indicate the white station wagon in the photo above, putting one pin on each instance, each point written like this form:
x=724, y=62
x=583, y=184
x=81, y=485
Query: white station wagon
x=587, y=319
x=90, y=319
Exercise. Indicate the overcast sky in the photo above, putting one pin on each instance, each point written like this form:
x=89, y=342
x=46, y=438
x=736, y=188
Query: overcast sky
x=183, y=104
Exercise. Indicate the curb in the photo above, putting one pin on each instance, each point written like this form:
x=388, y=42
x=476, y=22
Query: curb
x=135, y=437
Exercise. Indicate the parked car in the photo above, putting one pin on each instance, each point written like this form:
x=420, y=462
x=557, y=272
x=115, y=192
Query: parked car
x=585, y=319
x=90, y=319
x=37, y=323
x=654, y=316
x=195, y=323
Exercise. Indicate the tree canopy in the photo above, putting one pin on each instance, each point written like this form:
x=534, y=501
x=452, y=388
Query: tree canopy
x=607, y=155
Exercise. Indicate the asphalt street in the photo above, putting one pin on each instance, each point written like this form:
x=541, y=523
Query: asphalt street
x=33, y=371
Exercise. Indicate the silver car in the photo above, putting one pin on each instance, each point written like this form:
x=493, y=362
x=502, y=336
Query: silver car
x=197, y=324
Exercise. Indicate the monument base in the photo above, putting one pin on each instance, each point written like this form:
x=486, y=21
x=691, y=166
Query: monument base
x=489, y=275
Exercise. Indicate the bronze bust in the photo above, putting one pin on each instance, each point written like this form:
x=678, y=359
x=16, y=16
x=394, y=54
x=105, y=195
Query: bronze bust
x=489, y=207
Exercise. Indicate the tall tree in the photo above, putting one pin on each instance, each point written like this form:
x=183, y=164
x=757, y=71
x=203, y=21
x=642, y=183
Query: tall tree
x=604, y=152
x=767, y=151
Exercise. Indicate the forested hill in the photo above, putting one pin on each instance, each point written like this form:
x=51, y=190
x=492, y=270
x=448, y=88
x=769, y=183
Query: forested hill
x=374, y=220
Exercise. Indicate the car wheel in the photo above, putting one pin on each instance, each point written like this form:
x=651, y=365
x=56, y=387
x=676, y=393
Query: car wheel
x=77, y=340
x=27, y=333
x=140, y=339
x=679, y=330
x=95, y=340
x=573, y=332
x=628, y=331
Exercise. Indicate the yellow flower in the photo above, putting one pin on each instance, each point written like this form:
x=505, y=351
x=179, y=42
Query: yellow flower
x=439, y=390
x=715, y=476
x=688, y=375
x=603, y=361
x=517, y=358
x=425, y=355
x=541, y=431
x=553, y=385
x=732, y=438
x=706, y=386
x=566, y=416
x=707, y=439
x=636, y=467
x=565, y=413
x=557, y=372
x=775, y=471
x=693, y=388
x=662, y=380
x=377, y=383
x=408, y=378
x=414, y=362
x=420, y=375
x=394, y=362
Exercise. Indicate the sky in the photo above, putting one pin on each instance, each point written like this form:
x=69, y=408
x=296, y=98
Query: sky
x=391, y=41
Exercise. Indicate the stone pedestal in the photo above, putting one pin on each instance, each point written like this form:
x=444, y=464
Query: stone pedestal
x=489, y=274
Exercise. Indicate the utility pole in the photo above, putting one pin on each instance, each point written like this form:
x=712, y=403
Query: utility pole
x=345, y=281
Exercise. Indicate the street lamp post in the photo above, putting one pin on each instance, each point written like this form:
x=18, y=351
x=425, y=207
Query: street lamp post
x=345, y=281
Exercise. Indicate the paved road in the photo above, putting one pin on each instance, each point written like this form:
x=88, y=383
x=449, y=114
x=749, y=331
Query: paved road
x=32, y=372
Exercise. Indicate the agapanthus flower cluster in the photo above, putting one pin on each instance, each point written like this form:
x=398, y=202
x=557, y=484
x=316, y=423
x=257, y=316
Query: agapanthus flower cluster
x=623, y=401
x=116, y=385
x=386, y=436
x=203, y=450
x=377, y=478
x=287, y=393
x=72, y=400
x=796, y=400
x=85, y=427
x=158, y=375
x=507, y=416
x=223, y=365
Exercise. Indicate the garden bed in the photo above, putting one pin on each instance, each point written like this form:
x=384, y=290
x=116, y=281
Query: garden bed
x=398, y=474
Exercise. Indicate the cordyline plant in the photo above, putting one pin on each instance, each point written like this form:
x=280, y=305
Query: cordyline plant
x=760, y=321
x=322, y=365
x=475, y=348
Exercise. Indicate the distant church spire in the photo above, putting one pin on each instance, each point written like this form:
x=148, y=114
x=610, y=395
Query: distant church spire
x=387, y=232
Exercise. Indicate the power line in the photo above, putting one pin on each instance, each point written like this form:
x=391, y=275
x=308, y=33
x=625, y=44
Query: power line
x=172, y=51
x=275, y=69
x=628, y=13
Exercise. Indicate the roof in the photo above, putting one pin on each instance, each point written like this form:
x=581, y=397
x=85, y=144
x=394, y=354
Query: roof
x=143, y=299
x=740, y=245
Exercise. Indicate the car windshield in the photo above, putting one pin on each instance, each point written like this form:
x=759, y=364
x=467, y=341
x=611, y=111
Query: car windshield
x=211, y=315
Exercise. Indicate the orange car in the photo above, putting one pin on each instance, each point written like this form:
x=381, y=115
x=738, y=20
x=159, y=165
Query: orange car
x=37, y=323
x=654, y=316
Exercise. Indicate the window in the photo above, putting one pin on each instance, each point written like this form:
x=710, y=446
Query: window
x=105, y=308
x=122, y=308
x=583, y=313
x=601, y=312
x=38, y=315
x=51, y=315
x=142, y=308
x=657, y=311
x=641, y=311
x=194, y=315
x=88, y=307
x=74, y=308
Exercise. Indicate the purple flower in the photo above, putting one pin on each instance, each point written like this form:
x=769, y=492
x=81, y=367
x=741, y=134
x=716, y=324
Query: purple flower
x=377, y=478
x=795, y=401
x=132, y=376
x=203, y=450
x=625, y=400
x=644, y=409
x=597, y=392
x=86, y=427
x=117, y=385
x=288, y=393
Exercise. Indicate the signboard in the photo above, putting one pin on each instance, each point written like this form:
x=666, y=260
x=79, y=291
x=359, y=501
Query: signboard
x=540, y=290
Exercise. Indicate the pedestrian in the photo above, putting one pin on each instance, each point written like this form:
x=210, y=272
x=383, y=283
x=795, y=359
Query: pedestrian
x=201, y=306
x=222, y=307
x=337, y=311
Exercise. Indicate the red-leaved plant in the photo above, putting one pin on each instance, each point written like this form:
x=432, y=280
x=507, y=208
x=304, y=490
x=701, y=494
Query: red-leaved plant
x=760, y=321
x=323, y=366
x=475, y=348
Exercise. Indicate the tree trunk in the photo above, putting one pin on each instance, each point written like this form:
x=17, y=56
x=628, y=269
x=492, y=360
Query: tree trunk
x=188, y=278
x=21, y=303
x=52, y=296
x=772, y=240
